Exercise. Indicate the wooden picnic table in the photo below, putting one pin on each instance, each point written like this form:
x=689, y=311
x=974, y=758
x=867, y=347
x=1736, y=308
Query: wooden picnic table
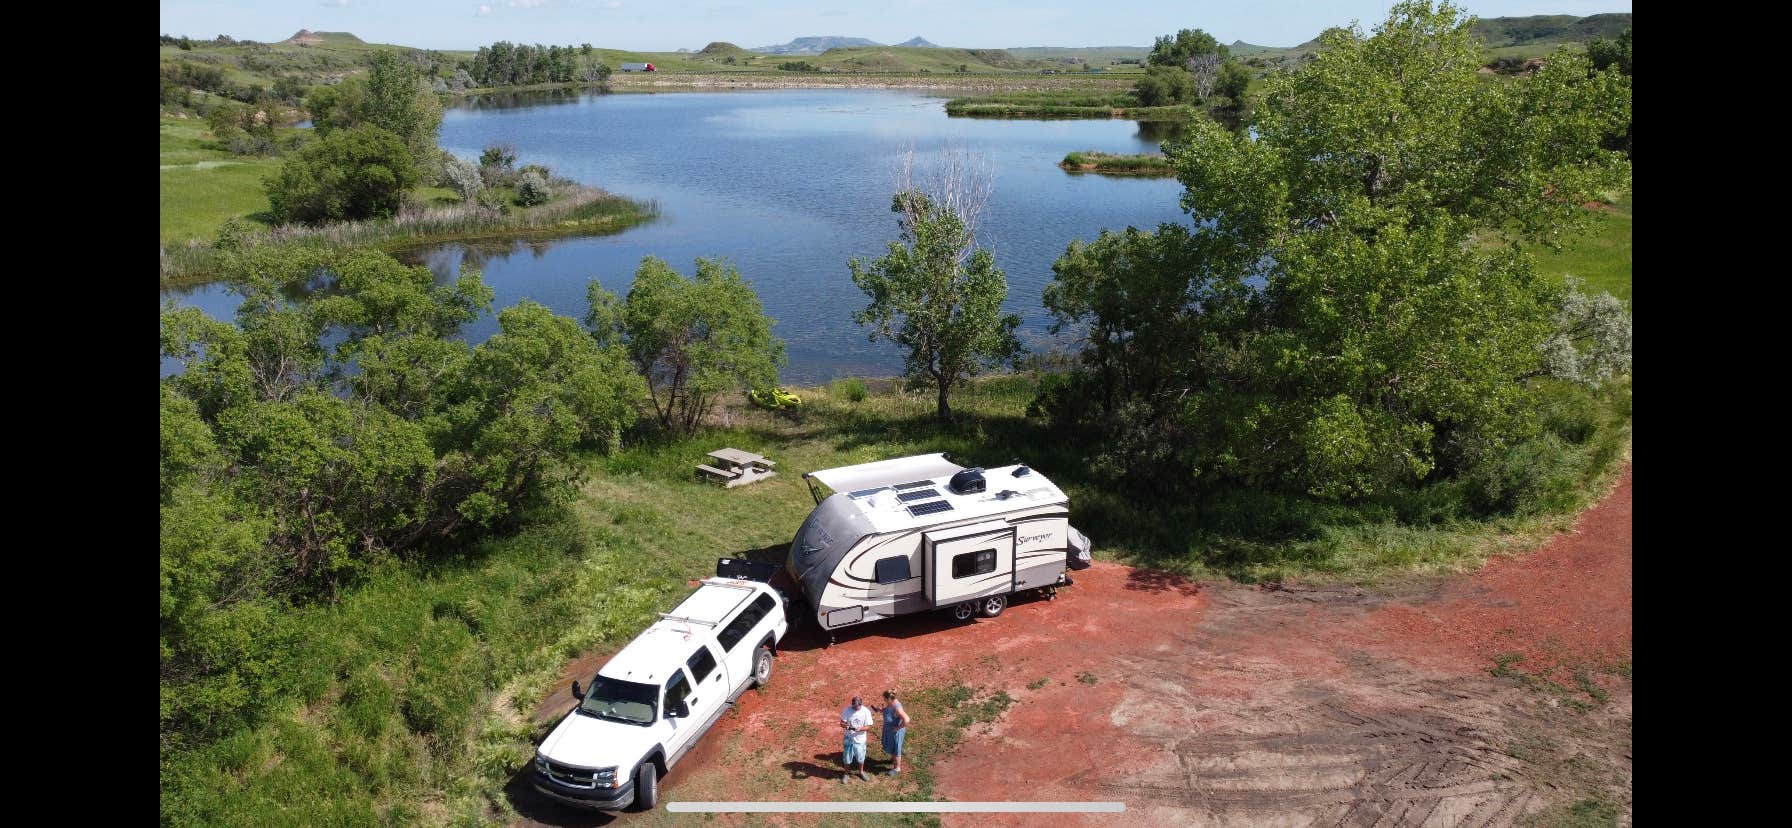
x=736, y=467
x=743, y=459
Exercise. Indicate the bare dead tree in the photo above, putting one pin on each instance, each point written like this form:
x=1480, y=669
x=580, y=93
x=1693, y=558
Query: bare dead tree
x=955, y=178
x=1204, y=69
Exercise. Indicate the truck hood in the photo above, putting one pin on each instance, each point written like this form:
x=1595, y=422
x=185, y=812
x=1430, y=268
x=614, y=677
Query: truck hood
x=590, y=742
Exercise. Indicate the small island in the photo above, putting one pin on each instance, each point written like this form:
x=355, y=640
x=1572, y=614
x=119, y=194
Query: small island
x=1105, y=163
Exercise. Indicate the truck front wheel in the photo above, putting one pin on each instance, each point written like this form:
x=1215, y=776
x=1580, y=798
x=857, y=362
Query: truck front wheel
x=647, y=786
x=762, y=667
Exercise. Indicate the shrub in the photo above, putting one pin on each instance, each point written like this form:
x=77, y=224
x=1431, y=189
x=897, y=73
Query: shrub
x=498, y=155
x=533, y=190
x=1537, y=475
x=1164, y=86
x=250, y=144
x=461, y=175
x=355, y=173
x=850, y=388
x=489, y=199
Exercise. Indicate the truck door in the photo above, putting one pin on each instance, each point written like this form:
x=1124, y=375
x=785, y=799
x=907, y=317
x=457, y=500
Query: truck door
x=741, y=636
x=709, y=685
x=680, y=730
x=970, y=562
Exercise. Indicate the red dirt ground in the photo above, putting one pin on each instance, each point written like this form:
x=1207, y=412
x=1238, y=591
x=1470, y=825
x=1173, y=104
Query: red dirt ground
x=1218, y=703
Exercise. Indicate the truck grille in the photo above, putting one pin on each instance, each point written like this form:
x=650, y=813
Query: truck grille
x=573, y=777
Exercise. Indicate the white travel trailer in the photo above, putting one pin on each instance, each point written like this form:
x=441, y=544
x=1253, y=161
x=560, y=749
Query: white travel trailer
x=923, y=533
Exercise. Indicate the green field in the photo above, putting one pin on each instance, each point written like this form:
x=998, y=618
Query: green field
x=1601, y=258
x=202, y=186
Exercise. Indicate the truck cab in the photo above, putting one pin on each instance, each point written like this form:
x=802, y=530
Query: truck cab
x=650, y=703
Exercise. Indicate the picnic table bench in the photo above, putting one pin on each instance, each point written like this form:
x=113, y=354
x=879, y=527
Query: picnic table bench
x=736, y=468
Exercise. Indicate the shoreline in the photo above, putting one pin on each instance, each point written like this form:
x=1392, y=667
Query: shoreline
x=637, y=81
x=587, y=211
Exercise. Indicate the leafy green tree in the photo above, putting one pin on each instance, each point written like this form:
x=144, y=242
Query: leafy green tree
x=938, y=296
x=357, y=173
x=1164, y=86
x=284, y=474
x=531, y=395
x=1611, y=54
x=692, y=339
x=394, y=96
x=1178, y=49
x=1232, y=82
x=336, y=106
x=225, y=120
x=1614, y=56
x=1325, y=323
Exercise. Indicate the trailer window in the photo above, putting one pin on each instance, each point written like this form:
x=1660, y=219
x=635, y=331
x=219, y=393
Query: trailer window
x=980, y=562
x=893, y=570
x=744, y=622
x=701, y=662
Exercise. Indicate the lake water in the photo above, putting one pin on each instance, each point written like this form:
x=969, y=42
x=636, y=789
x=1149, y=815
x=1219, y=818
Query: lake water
x=787, y=185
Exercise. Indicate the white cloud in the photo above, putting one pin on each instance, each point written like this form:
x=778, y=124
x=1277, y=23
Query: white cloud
x=613, y=4
x=483, y=10
x=336, y=3
x=523, y=4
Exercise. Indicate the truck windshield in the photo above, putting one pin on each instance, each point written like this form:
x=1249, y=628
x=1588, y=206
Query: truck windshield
x=624, y=701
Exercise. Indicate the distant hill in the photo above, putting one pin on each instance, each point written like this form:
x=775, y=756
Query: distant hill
x=1097, y=55
x=815, y=45
x=918, y=42
x=1533, y=36
x=306, y=37
x=1549, y=29
x=722, y=47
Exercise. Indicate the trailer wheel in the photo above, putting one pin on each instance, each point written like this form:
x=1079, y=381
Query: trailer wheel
x=964, y=611
x=992, y=606
x=762, y=667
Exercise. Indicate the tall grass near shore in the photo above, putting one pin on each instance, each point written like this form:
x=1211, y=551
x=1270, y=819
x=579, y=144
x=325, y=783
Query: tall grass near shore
x=1112, y=164
x=581, y=211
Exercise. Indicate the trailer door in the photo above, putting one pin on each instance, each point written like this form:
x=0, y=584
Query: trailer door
x=970, y=562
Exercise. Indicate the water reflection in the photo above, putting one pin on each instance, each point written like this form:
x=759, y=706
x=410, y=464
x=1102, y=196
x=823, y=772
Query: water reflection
x=1157, y=132
x=526, y=98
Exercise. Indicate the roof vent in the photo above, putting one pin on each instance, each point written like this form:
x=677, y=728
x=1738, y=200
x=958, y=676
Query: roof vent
x=968, y=481
x=1022, y=470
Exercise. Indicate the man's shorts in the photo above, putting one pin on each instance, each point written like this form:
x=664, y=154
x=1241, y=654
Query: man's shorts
x=853, y=751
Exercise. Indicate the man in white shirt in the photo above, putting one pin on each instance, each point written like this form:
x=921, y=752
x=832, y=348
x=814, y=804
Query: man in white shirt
x=854, y=721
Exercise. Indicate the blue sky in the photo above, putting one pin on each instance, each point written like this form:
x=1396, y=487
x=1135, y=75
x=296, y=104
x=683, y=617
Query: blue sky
x=667, y=25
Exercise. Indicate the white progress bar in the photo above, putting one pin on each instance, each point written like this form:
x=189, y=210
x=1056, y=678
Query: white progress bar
x=898, y=807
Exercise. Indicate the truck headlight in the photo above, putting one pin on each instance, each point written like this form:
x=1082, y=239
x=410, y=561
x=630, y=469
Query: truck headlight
x=605, y=777
x=541, y=763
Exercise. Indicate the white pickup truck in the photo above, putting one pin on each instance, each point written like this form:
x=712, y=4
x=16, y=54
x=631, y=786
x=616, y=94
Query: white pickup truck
x=647, y=707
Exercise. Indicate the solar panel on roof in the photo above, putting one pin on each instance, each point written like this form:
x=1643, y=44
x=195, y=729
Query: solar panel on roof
x=864, y=492
x=913, y=484
x=928, y=508
x=923, y=494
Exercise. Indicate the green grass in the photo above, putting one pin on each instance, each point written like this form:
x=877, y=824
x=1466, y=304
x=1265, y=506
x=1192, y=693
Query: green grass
x=203, y=185
x=1111, y=164
x=1601, y=258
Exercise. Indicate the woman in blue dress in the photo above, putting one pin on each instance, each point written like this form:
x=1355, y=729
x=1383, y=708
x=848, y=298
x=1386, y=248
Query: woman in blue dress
x=895, y=726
